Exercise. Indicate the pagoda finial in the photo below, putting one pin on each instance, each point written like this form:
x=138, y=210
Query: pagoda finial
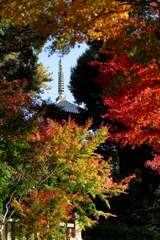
x=60, y=82
x=60, y=79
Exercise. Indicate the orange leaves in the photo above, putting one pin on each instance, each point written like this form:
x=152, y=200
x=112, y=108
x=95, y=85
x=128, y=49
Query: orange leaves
x=70, y=172
x=67, y=22
x=45, y=207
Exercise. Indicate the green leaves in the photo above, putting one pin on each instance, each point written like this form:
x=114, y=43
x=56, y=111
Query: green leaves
x=51, y=170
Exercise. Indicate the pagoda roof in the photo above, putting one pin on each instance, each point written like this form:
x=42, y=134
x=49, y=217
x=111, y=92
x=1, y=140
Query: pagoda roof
x=66, y=106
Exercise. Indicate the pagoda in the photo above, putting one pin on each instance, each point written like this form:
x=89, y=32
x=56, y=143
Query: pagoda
x=61, y=100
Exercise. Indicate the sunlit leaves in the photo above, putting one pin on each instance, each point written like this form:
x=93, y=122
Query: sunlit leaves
x=68, y=176
x=67, y=22
x=51, y=169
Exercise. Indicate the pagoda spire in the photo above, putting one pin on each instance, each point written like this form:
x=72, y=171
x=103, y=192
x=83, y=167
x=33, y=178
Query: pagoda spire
x=60, y=82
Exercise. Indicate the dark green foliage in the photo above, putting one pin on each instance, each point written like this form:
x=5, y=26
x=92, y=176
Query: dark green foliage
x=19, y=59
x=82, y=86
x=138, y=211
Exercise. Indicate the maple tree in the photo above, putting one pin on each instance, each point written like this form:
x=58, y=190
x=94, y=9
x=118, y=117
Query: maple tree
x=56, y=176
x=139, y=111
x=130, y=80
x=67, y=21
x=130, y=87
x=134, y=99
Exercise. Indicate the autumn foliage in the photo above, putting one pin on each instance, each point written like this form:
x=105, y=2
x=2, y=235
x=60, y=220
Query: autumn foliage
x=67, y=21
x=49, y=170
x=52, y=170
x=139, y=110
x=131, y=88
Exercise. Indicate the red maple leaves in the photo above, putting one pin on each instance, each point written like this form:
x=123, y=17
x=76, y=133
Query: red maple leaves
x=132, y=93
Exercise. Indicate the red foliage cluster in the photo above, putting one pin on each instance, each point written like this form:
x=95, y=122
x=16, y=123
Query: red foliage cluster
x=154, y=164
x=132, y=93
x=115, y=74
x=139, y=109
x=14, y=101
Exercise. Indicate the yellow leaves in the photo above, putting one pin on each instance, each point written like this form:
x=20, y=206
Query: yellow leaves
x=124, y=15
x=68, y=22
x=16, y=205
x=42, y=76
x=109, y=24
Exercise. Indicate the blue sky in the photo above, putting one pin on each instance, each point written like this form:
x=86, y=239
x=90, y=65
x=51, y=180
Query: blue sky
x=51, y=63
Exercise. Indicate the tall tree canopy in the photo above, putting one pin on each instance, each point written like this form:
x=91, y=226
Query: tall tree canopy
x=130, y=81
x=67, y=21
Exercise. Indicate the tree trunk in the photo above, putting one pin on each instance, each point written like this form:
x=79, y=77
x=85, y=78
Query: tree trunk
x=3, y=232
